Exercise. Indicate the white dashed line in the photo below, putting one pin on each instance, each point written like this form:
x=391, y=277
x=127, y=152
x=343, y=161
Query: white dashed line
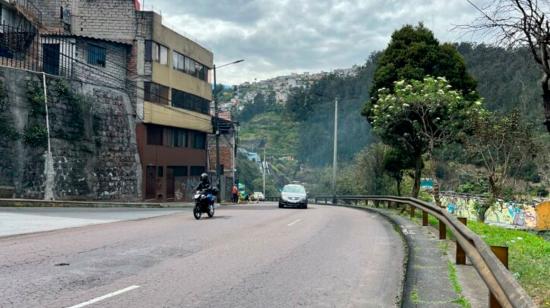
x=294, y=222
x=98, y=299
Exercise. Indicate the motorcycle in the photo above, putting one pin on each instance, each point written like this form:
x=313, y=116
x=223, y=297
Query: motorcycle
x=204, y=203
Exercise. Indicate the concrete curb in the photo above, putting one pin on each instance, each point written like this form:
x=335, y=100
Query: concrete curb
x=90, y=204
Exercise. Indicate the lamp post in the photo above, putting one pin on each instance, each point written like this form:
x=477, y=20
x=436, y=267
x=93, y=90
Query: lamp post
x=216, y=123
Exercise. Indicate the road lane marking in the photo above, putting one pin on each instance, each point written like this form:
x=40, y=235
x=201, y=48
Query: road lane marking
x=294, y=222
x=98, y=299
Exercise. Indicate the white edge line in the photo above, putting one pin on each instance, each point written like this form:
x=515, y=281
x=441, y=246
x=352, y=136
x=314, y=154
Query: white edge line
x=98, y=299
x=294, y=222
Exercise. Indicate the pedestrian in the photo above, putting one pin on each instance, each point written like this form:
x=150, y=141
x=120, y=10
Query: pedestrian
x=235, y=193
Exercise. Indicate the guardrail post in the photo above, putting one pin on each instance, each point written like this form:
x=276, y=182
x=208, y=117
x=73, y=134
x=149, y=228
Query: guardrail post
x=442, y=230
x=460, y=254
x=424, y=218
x=412, y=211
x=502, y=254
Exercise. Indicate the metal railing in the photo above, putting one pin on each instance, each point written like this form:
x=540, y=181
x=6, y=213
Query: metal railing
x=504, y=288
x=25, y=48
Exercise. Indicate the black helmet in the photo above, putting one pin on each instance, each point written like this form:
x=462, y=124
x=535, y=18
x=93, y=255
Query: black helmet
x=204, y=177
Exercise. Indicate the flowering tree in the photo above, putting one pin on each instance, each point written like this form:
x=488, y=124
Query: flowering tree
x=420, y=116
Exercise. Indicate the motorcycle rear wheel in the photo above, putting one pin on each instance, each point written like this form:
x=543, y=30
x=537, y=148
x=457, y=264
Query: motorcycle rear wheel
x=197, y=213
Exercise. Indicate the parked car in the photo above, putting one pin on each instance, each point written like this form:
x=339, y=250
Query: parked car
x=258, y=196
x=293, y=195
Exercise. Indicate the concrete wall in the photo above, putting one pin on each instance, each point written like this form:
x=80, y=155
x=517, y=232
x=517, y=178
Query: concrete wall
x=93, y=141
x=507, y=214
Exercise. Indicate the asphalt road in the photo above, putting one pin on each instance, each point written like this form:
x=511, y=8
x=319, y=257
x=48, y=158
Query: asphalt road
x=15, y=220
x=243, y=257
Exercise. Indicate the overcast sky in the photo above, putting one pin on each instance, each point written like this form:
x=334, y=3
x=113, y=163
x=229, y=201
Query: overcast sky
x=278, y=37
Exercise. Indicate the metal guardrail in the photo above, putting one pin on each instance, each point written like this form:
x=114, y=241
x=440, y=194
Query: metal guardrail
x=502, y=285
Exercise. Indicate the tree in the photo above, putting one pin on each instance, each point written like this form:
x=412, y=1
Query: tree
x=412, y=54
x=422, y=116
x=521, y=23
x=396, y=161
x=504, y=144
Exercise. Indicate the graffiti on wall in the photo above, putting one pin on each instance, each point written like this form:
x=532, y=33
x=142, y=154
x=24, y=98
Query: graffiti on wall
x=503, y=213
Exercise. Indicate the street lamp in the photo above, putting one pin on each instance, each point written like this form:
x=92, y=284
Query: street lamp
x=216, y=122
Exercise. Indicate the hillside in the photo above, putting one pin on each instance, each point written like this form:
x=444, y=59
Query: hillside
x=302, y=127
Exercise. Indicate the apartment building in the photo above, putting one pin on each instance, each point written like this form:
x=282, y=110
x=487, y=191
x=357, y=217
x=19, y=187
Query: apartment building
x=173, y=103
x=112, y=43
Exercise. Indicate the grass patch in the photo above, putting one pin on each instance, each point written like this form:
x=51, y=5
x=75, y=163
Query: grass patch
x=443, y=247
x=415, y=298
x=529, y=258
x=461, y=300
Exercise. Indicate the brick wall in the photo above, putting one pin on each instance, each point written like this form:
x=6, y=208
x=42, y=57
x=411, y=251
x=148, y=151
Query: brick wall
x=226, y=153
x=115, y=71
x=109, y=19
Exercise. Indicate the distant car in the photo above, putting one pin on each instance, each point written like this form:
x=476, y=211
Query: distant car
x=258, y=196
x=293, y=195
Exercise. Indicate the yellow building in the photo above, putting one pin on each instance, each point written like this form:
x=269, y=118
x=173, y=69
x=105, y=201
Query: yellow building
x=173, y=102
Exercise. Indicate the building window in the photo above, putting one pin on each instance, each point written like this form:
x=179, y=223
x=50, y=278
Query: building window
x=197, y=170
x=191, y=102
x=189, y=66
x=179, y=138
x=96, y=55
x=156, y=93
x=156, y=52
x=199, y=140
x=154, y=135
x=160, y=171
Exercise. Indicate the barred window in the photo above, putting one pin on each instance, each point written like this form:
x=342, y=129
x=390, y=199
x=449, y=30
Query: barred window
x=96, y=55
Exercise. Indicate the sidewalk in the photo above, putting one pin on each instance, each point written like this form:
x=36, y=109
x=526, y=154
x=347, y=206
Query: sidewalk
x=433, y=279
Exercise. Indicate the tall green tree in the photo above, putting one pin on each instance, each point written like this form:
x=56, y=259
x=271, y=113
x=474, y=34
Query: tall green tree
x=412, y=54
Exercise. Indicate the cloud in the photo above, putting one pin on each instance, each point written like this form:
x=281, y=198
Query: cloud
x=283, y=36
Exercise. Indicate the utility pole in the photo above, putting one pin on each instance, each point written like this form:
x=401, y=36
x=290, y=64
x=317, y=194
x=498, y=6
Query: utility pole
x=335, y=151
x=217, y=131
x=217, y=128
x=264, y=165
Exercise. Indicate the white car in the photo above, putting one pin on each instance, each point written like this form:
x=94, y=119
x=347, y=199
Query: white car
x=259, y=196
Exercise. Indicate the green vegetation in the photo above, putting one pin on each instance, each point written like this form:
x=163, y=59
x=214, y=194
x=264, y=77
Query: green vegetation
x=528, y=257
x=413, y=54
x=299, y=134
x=35, y=134
x=461, y=300
x=504, y=144
x=415, y=298
x=528, y=254
x=278, y=132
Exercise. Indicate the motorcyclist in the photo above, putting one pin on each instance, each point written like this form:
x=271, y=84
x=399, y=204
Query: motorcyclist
x=205, y=186
x=204, y=183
